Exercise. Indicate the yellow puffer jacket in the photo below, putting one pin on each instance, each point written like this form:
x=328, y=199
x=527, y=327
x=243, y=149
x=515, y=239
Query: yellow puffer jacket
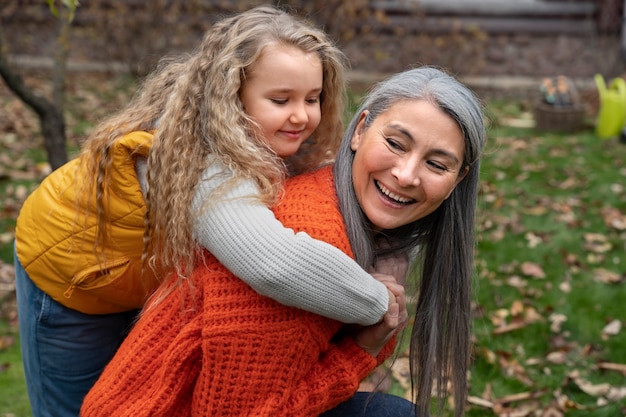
x=56, y=248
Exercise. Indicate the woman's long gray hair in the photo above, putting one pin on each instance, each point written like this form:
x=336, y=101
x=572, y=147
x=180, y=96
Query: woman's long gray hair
x=440, y=339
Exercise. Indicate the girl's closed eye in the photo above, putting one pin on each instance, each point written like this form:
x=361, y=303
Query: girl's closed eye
x=279, y=100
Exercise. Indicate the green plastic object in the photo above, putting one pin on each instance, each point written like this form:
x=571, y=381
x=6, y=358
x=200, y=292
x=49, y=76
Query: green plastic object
x=612, y=112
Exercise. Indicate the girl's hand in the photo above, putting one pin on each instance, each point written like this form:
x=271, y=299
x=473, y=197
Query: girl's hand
x=373, y=338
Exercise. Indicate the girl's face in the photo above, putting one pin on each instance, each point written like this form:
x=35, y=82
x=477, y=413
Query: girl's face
x=407, y=162
x=282, y=94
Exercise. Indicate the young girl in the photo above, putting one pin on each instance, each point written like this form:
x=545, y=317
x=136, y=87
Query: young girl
x=200, y=154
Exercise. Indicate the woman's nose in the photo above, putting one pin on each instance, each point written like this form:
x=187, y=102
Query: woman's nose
x=406, y=172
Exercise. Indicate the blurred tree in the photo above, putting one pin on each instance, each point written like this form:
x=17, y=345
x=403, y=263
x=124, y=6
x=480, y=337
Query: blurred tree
x=49, y=111
x=138, y=33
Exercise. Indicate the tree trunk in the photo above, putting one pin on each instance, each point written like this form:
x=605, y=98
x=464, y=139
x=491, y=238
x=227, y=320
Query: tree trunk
x=51, y=118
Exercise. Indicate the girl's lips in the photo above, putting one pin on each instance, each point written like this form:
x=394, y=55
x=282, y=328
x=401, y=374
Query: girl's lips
x=292, y=134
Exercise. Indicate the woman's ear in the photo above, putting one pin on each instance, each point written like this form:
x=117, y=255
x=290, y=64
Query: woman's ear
x=358, y=132
x=459, y=178
x=462, y=174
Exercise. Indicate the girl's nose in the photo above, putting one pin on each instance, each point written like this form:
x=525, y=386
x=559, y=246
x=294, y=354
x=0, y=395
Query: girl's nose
x=299, y=114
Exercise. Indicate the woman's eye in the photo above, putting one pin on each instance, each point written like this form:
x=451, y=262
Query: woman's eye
x=438, y=166
x=394, y=144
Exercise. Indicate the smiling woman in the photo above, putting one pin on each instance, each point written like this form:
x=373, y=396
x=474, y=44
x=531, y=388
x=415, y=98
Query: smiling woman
x=210, y=346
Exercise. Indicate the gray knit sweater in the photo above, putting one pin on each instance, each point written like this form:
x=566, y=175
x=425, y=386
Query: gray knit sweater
x=291, y=268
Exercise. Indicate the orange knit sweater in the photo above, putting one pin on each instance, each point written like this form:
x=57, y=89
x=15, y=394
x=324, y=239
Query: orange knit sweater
x=220, y=349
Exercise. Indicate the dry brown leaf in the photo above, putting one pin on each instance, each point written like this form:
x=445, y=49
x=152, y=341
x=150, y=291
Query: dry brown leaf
x=498, y=317
x=557, y=357
x=536, y=211
x=516, y=282
x=570, y=182
x=606, y=276
x=565, y=287
x=595, y=390
x=6, y=342
x=523, y=411
x=616, y=394
x=6, y=237
x=533, y=240
x=517, y=308
x=532, y=269
x=515, y=397
x=556, y=320
x=597, y=243
x=614, y=218
x=481, y=402
x=531, y=315
x=612, y=329
x=514, y=325
x=514, y=370
x=552, y=412
x=619, y=367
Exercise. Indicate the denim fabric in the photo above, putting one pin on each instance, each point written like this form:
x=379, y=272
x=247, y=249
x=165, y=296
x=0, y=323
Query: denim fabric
x=63, y=350
x=378, y=404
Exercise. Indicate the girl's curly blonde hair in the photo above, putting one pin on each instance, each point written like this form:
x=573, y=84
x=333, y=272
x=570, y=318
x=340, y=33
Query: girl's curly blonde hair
x=192, y=103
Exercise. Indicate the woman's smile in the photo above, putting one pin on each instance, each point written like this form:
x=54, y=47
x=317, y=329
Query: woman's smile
x=393, y=197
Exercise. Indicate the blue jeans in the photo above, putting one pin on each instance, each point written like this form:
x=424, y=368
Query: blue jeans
x=377, y=404
x=63, y=351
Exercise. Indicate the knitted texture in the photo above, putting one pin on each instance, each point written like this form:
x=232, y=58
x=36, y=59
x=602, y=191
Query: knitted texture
x=218, y=348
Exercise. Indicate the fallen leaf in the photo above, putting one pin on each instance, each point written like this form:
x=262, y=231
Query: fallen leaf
x=612, y=329
x=606, y=276
x=616, y=393
x=515, y=325
x=480, y=402
x=557, y=357
x=6, y=342
x=619, y=367
x=597, y=243
x=517, y=308
x=532, y=270
x=533, y=240
x=556, y=320
x=614, y=218
x=595, y=390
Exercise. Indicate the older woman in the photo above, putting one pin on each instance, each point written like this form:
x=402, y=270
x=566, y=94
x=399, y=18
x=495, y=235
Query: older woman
x=405, y=177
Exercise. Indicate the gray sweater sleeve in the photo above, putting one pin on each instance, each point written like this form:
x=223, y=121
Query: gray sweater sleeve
x=291, y=268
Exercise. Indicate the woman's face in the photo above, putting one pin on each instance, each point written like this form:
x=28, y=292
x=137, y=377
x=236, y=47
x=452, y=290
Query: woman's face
x=407, y=162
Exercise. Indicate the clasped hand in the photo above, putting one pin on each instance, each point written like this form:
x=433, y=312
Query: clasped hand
x=390, y=271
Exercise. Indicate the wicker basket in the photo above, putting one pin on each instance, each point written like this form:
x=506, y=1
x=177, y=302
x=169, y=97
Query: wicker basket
x=550, y=118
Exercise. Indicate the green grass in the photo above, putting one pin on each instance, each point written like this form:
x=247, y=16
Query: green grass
x=545, y=242
x=14, y=400
x=543, y=195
